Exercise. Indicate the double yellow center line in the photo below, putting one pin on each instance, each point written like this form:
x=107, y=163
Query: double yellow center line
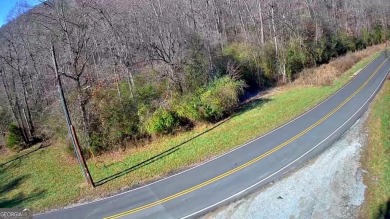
x=262, y=156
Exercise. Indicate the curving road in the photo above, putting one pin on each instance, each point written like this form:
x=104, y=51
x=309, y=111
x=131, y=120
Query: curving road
x=203, y=188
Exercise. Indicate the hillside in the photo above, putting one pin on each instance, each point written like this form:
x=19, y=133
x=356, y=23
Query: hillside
x=135, y=73
x=40, y=177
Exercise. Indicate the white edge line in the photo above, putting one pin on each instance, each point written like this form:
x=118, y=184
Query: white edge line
x=250, y=187
x=224, y=154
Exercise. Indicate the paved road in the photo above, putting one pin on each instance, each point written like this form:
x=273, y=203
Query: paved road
x=208, y=186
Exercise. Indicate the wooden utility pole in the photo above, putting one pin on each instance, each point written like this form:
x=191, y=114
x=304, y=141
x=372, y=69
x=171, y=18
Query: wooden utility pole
x=71, y=129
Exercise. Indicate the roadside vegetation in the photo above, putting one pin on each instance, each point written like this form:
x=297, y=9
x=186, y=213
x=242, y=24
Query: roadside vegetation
x=42, y=179
x=376, y=158
x=131, y=78
x=156, y=90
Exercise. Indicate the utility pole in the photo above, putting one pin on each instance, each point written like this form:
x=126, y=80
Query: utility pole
x=71, y=129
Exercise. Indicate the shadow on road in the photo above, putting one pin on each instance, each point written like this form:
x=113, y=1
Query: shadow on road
x=242, y=109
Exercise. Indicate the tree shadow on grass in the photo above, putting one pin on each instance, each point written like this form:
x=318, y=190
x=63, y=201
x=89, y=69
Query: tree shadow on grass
x=19, y=199
x=251, y=104
x=242, y=109
x=22, y=155
x=10, y=183
x=383, y=211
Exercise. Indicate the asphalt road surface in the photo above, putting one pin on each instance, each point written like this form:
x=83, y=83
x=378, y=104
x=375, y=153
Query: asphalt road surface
x=203, y=188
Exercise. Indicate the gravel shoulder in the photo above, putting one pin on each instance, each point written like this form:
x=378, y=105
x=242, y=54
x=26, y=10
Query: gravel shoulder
x=331, y=186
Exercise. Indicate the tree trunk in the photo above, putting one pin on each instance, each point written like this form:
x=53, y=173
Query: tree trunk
x=261, y=23
x=130, y=82
x=83, y=108
x=274, y=29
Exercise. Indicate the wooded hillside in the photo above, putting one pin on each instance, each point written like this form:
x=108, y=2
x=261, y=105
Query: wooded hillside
x=135, y=69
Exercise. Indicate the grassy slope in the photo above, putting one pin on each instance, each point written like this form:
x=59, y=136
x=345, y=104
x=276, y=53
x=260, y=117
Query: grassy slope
x=48, y=178
x=376, y=158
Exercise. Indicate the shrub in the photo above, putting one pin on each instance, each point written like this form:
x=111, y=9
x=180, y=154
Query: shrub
x=366, y=38
x=188, y=107
x=257, y=65
x=220, y=98
x=14, y=139
x=343, y=44
x=196, y=67
x=246, y=61
x=296, y=58
x=387, y=34
x=114, y=120
x=269, y=61
x=147, y=93
x=348, y=42
x=324, y=75
x=243, y=53
x=162, y=121
x=359, y=43
x=210, y=103
x=377, y=35
x=320, y=52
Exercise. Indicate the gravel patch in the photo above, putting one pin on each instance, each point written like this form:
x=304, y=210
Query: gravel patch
x=331, y=186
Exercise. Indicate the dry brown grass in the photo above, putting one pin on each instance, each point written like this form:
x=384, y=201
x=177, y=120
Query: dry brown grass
x=325, y=74
x=5, y=152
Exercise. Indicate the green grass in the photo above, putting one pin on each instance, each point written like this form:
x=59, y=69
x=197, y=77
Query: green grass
x=14, y=155
x=376, y=158
x=48, y=178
